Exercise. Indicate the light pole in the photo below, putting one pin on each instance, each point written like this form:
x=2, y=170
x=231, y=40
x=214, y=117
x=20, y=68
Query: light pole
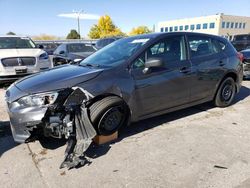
x=78, y=22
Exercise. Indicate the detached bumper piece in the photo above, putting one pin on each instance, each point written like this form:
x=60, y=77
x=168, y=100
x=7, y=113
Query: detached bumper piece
x=79, y=142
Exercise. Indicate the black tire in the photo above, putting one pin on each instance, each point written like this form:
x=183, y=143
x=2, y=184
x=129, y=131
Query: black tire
x=108, y=115
x=225, y=93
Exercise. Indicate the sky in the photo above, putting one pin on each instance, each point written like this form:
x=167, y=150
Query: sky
x=35, y=17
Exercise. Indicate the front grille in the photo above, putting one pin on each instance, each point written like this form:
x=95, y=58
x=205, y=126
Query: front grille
x=18, y=61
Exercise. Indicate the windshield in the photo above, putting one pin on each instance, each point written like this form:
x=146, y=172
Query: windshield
x=73, y=48
x=16, y=42
x=116, y=52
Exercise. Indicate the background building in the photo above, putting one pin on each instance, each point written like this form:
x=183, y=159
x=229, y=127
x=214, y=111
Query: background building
x=219, y=24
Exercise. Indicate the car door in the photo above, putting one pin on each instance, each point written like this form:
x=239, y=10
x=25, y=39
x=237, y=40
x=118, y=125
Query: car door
x=162, y=87
x=207, y=66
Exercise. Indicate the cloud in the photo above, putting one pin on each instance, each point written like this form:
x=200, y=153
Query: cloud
x=81, y=16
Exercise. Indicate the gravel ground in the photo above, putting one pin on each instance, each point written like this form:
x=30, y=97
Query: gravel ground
x=195, y=147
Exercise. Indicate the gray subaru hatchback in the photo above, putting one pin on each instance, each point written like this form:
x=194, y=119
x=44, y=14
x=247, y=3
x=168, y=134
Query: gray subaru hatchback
x=129, y=80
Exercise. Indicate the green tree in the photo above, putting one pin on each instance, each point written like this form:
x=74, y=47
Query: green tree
x=140, y=30
x=10, y=33
x=73, y=34
x=94, y=32
x=104, y=28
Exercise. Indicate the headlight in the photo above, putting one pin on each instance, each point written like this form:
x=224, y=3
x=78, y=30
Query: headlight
x=43, y=56
x=42, y=99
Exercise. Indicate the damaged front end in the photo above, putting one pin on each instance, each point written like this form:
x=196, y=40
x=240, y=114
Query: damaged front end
x=62, y=114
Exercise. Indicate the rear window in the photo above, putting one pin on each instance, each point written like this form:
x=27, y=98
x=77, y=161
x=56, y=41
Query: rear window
x=80, y=48
x=241, y=37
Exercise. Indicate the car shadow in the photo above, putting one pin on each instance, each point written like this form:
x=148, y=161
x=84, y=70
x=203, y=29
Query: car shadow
x=244, y=93
x=51, y=143
x=6, y=140
x=95, y=151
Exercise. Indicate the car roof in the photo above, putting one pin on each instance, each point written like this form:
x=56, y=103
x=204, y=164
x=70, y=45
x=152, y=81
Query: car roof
x=14, y=36
x=76, y=43
x=246, y=50
x=160, y=34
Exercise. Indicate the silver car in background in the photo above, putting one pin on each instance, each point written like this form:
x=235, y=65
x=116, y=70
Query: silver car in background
x=19, y=57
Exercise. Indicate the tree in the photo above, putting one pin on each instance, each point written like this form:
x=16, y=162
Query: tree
x=104, y=28
x=94, y=32
x=73, y=34
x=10, y=33
x=139, y=30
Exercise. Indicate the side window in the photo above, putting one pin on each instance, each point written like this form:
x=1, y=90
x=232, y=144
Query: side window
x=201, y=46
x=219, y=46
x=171, y=49
x=59, y=48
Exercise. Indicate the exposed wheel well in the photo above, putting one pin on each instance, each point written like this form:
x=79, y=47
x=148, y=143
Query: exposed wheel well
x=99, y=97
x=232, y=75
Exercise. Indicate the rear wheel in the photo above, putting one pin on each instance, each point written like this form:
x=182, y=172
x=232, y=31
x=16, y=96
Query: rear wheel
x=225, y=93
x=108, y=115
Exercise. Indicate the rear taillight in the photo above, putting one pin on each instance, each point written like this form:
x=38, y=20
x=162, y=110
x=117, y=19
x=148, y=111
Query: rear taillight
x=240, y=56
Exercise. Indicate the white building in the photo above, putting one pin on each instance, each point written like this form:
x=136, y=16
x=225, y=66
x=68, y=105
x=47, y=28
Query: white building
x=219, y=24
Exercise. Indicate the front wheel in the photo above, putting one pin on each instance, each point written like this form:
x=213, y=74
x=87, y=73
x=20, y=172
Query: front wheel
x=225, y=93
x=108, y=115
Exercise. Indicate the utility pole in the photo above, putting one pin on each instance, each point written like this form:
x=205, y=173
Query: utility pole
x=78, y=22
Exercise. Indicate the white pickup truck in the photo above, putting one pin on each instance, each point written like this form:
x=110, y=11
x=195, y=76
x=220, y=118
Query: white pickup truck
x=19, y=56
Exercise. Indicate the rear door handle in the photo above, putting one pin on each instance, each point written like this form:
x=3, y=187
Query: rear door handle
x=184, y=70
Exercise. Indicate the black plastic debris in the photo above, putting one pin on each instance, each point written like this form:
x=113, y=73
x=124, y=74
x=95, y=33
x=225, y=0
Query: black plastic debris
x=221, y=167
x=79, y=142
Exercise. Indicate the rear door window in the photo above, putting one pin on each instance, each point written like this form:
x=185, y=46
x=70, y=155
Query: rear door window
x=218, y=45
x=201, y=46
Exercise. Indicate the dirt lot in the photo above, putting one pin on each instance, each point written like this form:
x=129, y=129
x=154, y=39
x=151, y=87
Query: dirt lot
x=195, y=147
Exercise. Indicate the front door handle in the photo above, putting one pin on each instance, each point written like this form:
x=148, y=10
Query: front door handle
x=184, y=70
x=221, y=63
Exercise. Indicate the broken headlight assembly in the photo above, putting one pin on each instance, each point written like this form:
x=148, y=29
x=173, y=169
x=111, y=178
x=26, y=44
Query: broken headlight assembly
x=42, y=99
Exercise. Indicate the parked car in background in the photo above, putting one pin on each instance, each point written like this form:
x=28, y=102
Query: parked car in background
x=70, y=52
x=246, y=63
x=19, y=57
x=105, y=41
x=241, y=42
x=48, y=47
x=131, y=79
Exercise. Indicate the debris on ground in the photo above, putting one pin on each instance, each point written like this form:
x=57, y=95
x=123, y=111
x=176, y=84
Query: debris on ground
x=221, y=167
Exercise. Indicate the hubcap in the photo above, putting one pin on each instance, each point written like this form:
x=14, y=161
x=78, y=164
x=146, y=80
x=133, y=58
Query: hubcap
x=112, y=119
x=227, y=92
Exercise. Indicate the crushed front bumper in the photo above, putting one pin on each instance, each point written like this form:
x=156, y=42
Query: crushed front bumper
x=23, y=121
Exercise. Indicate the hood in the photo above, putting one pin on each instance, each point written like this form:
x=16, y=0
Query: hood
x=57, y=78
x=33, y=52
x=82, y=54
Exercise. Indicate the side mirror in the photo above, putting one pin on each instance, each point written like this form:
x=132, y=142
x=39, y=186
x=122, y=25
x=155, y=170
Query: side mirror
x=62, y=52
x=76, y=61
x=152, y=62
x=40, y=46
